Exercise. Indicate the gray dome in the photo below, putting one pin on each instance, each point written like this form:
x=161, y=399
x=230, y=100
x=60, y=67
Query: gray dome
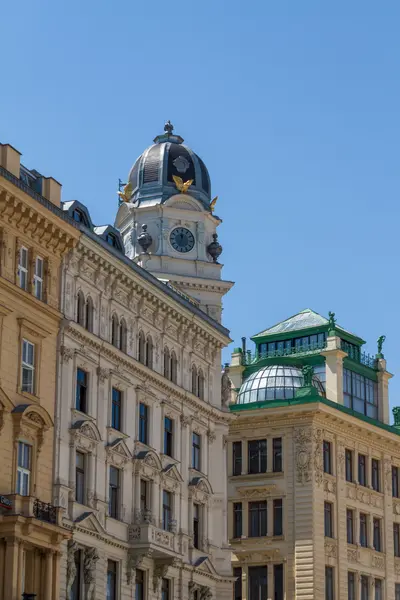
x=152, y=174
x=274, y=383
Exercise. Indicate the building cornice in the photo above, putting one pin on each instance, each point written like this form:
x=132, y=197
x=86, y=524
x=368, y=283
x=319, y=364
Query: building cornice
x=36, y=220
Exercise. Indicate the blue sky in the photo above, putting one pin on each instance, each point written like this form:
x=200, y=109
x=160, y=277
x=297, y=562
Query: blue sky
x=294, y=107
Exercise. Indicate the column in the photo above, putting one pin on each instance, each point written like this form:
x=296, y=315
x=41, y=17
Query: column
x=370, y=531
x=11, y=568
x=48, y=580
x=383, y=392
x=334, y=369
x=270, y=518
x=56, y=575
x=270, y=581
x=21, y=575
x=72, y=466
x=245, y=579
x=155, y=502
x=245, y=458
x=245, y=518
x=190, y=511
x=91, y=467
x=137, y=494
x=356, y=526
x=269, y=455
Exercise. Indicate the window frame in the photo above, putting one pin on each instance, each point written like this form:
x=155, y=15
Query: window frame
x=38, y=280
x=167, y=509
x=376, y=474
x=277, y=508
x=28, y=367
x=327, y=456
x=143, y=433
x=80, y=491
x=257, y=456
x=396, y=539
x=349, y=465
x=259, y=526
x=257, y=582
x=114, y=595
x=237, y=520
x=237, y=458
x=196, y=451
x=328, y=520
x=168, y=437
x=395, y=481
x=363, y=518
x=362, y=473
x=277, y=455
x=351, y=577
x=24, y=472
x=23, y=268
x=350, y=525
x=377, y=534
x=116, y=408
x=114, y=493
x=197, y=525
x=82, y=404
x=329, y=582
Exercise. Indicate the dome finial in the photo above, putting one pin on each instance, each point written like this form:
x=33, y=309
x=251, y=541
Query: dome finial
x=168, y=127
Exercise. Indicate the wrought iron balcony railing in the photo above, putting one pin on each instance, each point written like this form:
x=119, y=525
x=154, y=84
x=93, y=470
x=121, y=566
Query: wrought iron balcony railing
x=304, y=349
x=44, y=512
x=355, y=354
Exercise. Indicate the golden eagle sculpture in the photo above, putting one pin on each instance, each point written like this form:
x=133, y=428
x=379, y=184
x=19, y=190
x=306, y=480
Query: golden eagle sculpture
x=181, y=185
x=213, y=203
x=126, y=194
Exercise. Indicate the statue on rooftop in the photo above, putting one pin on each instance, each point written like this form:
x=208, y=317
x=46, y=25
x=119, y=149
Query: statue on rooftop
x=381, y=340
x=308, y=373
x=332, y=323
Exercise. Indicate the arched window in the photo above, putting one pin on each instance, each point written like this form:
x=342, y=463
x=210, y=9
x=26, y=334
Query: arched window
x=89, y=314
x=194, y=380
x=167, y=369
x=141, y=347
x=200, y=384
x=80, y=309
x=149, y=352
x=122, y=335
x=174, y=367
x=114, y=330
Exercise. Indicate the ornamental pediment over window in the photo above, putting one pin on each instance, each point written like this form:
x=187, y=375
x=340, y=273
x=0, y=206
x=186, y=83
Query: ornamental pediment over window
x=118, y=453
x=171, y=478
x=147, y=463
x=200, y=489
x=86, y=434
x=31, y=421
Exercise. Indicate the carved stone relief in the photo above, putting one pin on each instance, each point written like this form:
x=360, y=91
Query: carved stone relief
x=303, y=446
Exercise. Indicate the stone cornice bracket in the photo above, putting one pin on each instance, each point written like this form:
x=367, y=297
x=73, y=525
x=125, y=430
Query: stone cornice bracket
x=67, y=353
x=135, y=561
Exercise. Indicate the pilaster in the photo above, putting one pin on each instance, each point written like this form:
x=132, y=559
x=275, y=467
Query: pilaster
x=334, y=369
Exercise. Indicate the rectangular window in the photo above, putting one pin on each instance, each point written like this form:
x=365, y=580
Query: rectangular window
x=350, y=525
x=257, y=519
x=167, y=510
x=395, y=482
x=38, y=278
x=23, y=268
x=165, y=589
x=329, y=583
x=360, y=393
x=349, y=464
x=116, y=409
x=351, y=586
x=80, y=478
x=237, y=520
x=114, y=493
x=168, y=436
x=277, y=455
x=278, y=516
x=362, y=469
x=81, y=390
x=237, y=573
x=327, y=457
x=237, y=458
x=378, y=589
x=144, y=500
x=364, y=587
x=257, y=453
x=397, y=591
x=111, y=580
x=143, y=423
x=139, y=585
x=196, y=451
x=258, y=583
x=196, y=525
x=24, y=469
x=363, y=530
x=278, y=582
x=375, y=475
x=28, y=367
x=328, y=519
x=396, y=539
x=377, y=534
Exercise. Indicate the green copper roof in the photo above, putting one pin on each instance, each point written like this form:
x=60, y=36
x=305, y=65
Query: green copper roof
x=305, y=319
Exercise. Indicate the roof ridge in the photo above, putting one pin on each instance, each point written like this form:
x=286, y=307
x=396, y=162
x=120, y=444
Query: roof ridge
x=305, y=310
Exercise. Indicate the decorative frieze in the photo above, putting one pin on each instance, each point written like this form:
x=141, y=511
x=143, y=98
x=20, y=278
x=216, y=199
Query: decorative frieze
x=353, y=555
x=303, y=447
x=362, y=494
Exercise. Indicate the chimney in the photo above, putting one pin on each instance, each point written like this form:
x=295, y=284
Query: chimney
x=10, y=159
x=51, y=190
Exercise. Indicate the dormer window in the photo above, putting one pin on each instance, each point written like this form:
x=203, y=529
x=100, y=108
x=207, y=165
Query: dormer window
x=111, y=239
x=77, y=215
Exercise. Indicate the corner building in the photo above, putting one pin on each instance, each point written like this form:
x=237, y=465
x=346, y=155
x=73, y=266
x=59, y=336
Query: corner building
x=313, y=466
x=140, y=456
x=35, y=235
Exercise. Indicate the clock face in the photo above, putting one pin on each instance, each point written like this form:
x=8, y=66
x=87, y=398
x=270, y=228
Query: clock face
x=182, y=240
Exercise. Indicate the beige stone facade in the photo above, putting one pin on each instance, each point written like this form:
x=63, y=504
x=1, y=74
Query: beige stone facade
x=317, y=514
x=34, y=237
x=140, y=456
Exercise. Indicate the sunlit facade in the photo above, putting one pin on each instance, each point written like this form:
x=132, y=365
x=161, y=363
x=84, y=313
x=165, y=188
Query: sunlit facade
x=313, y=467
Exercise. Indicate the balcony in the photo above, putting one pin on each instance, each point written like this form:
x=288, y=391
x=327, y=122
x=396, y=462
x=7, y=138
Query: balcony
x=30, y=507
x=303, y=350
x=145, y=535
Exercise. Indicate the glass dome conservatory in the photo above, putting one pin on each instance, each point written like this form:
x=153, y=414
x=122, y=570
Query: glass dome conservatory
x=274, y=383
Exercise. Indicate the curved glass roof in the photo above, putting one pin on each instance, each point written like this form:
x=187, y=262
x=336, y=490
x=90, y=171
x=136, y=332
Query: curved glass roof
x=274, y=383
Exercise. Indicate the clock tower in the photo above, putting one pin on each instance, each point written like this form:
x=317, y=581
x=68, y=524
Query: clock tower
x=168, y=224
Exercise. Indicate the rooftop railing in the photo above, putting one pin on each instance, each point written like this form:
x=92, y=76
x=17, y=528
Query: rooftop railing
x=303, y=350
x=355, y=354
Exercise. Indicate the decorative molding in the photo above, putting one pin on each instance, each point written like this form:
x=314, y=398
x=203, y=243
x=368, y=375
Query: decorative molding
x=67, y=353
x=353, y=555
x=103, y=374
x=254, y=492
x=303, y=445
x=331, y=549
x=378, y=561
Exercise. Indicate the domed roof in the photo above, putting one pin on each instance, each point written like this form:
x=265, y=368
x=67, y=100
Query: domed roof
x=152, y=174
x=274, y=383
